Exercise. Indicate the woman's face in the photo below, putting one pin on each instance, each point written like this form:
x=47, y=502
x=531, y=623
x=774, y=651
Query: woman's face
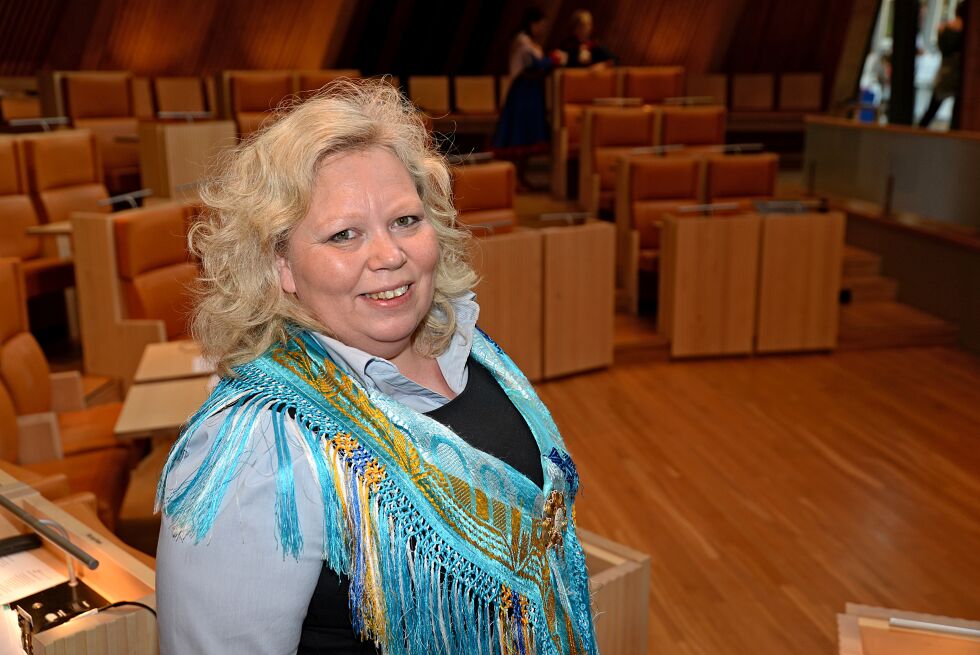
x=583, y=28
x=363, y=259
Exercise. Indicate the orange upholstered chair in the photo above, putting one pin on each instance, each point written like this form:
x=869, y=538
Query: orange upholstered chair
x=741, y=179
x=43, y=273
x=430, y=93
x=484, y=197
x=647, y=188
x=753, y=92
x=155, y=272
x=607, y=135
x=134, y=278
x=801, y=92
x=714, y=86
x=185, y=94
x=692, y=126
x=652, y=84
x=103, y=103
x=574, y=90
x=43, y=422
x=308, y=82
x=475, y=95
x=64, y=173
x=255, y=95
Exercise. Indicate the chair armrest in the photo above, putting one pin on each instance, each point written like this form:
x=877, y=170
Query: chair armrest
x=67, y=394
x=51, y=486
x=40, y=438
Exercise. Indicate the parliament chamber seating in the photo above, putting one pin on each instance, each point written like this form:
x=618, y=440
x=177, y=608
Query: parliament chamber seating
x=430, y=93
x=692, y=127
x=484, y=197
x=646, y=188
x=713, y=86
x=254, y=96
x=103, y=103
x=43, y=271
x=607, y=135
x=741, y=179
x=44, y=424
x=180, y=94
x=475, y=96
x=573, y=91
x=311, y=81
x=652, y=84
x=64, y=173
x=800, y=92
x=135, y=277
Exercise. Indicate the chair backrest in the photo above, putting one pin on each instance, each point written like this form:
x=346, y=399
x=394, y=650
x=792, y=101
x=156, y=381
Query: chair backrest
x=475, y=94
x=24, y=369
x=98, y=95
x=741, y=176
x=484, y=196
x=179, y=94
x=801, y=92
x=259, y=91
x=142, y=94
x=64, y=173
x=606, y=133
x=752, y=92
x=9, y=439
x=19, y=106
x=692, y=125
x=653, y=84
x=585, y=85
x=659, y=184
x=430, y=93
x=154, y=270
x=308, y=82
x=16, y=211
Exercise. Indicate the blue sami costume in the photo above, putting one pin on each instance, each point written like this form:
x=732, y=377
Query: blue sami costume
x=448, y=549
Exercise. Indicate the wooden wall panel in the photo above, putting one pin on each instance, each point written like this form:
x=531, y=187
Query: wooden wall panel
x=970, y=94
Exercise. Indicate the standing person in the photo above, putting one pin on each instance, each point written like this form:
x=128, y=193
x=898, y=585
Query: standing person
x=950, y=42
x=522, y=129
x=581, y=50
x=372, y=471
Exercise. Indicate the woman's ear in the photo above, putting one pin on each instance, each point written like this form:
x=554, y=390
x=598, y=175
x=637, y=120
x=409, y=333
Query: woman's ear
x=285, y=275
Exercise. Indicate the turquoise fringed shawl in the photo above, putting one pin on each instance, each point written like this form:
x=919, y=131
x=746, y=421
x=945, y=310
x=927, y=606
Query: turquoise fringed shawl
x=448, y=549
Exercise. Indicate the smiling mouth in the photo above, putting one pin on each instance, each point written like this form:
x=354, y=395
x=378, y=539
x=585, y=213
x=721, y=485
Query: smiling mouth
x=389, y=294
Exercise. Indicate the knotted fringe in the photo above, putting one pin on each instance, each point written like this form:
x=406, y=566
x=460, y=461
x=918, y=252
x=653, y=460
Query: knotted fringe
x=410, y=591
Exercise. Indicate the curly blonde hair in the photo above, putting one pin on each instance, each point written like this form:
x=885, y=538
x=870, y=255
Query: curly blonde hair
x=262, y=189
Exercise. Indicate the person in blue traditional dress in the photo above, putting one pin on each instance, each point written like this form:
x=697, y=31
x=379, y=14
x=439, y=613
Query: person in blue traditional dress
x=522, y=128
x=372, y=473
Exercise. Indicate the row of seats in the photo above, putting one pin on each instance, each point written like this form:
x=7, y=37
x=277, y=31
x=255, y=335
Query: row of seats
x=647, y=187
x=43, y=178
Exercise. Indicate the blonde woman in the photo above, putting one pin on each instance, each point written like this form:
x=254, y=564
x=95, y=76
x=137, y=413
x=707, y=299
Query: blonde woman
x=372, y=472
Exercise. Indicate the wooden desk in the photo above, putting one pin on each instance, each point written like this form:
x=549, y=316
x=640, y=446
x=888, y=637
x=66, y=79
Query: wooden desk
x=176, y=155
x=172, y=360
x=509, y=293
x=799, y=281
x=708, y=276
x=865, y=630
x=120, y=576
x=579, y=297
x=156, y=408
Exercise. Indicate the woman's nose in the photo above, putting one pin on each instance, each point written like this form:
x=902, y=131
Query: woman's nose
x=386, y=252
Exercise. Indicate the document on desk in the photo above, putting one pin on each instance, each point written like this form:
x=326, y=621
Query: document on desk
x=23, y=574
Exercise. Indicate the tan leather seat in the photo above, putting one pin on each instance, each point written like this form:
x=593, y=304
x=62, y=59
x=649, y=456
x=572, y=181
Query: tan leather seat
x=155, y=273
x=43, y=271
x=255, y=95
x=64, y=174
x=741, y=179
x=179, y=94
x=608, y=135
x=103, y=103
x=309, y=82
x=484, y=197
x=653, y=84
x=92, y=459
x=692, y=126
x=574, y=90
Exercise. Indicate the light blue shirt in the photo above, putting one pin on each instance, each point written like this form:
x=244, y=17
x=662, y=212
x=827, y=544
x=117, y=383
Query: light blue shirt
x=236, y=592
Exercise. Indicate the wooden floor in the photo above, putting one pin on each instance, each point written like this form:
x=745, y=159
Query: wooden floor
x=770, y=491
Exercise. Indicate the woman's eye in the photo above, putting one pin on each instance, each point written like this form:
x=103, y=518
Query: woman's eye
x=342, y=236
x=406, y=221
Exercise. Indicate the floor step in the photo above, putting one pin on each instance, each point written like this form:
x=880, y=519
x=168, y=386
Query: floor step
x=860, y=263
x=887, y=324
x=868, y=288
x=636, y=340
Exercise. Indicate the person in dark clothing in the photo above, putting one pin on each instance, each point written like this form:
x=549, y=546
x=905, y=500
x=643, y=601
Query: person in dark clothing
x=581, y=49
x=950, y=43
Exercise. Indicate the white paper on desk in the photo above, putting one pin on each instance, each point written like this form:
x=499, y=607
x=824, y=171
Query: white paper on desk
x=23, y=574
x=9, y=631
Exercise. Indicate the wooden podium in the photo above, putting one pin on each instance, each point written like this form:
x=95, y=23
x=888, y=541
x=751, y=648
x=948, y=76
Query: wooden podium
x=175, y=156
x=124, y=630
